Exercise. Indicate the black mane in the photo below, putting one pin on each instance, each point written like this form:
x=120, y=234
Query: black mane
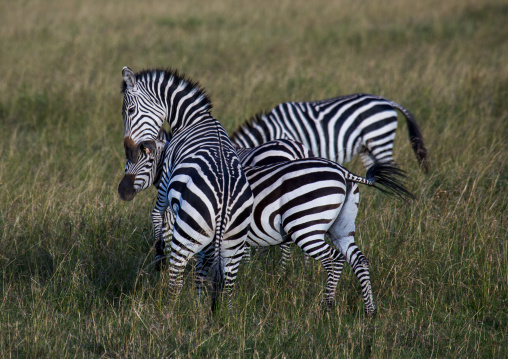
x=248, y=123
x=168, y=73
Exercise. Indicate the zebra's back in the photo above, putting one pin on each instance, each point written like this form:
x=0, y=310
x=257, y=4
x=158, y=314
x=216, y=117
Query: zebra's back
x=336, y=129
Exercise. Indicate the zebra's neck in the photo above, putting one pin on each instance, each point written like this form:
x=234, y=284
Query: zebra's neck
x=185, y=110
x=185, y=102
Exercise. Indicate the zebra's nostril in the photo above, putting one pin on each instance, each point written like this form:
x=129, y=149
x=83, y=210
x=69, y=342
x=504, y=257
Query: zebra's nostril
x=126, y=189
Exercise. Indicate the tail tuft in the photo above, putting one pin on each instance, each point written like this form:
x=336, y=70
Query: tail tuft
x=416, y=138
x=390, y=177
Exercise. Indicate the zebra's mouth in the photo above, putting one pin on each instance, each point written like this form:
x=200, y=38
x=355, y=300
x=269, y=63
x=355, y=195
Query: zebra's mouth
x=126, y=188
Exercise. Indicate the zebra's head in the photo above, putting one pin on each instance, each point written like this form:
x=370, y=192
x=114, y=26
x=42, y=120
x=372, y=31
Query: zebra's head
x=153, y=96
x=143, y=111
x=146, y=170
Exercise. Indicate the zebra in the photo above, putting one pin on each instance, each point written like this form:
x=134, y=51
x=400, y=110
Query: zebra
x=148, y=169
x=301, y=201
x=336, y=128
x=202, y=180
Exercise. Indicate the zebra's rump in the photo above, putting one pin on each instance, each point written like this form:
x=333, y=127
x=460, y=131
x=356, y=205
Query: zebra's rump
x=298, y=195
x=205, y=174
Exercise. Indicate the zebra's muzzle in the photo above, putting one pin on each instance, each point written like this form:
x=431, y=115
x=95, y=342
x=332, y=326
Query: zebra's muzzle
x=126, y=188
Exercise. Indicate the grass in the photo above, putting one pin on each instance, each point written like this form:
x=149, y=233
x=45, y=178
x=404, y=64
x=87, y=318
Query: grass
x=76, y=272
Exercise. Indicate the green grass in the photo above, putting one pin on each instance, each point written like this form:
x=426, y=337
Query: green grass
x=76, y=272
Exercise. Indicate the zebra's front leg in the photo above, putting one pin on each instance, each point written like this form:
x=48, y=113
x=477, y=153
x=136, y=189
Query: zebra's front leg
x=247, y=254
x=163, y=243
x=160, y=256
x=159, y=226
x=285, y=249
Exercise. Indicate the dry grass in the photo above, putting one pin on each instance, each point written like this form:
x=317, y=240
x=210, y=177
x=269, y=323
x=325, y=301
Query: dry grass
x=75, y=260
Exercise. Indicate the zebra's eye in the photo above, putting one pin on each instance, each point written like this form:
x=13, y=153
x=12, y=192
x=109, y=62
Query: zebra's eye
x=131, y=110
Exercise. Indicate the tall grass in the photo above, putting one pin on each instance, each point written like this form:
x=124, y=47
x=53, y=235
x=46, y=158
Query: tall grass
x=76, y=262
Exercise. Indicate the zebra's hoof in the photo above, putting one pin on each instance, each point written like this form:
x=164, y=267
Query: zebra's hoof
x=328, y=304
x=371, y=313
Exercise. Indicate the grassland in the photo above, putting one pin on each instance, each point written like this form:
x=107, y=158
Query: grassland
x=75, y=261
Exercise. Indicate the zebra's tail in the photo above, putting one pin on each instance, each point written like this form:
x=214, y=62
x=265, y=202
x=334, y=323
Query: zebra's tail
x=415, y=136
x=388, y=176
x=217, y=269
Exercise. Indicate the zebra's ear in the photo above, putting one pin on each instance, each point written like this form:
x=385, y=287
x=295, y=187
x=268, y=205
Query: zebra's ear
x=129, y=77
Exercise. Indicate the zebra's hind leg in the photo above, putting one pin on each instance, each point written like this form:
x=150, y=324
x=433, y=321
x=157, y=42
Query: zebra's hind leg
x=176, y=267
x=226, y=270
x=336, y=261
x=330, y=259
x=204, y=261
x=342, y=234
x=360, y=266
x=224, y=274
x=182, y=249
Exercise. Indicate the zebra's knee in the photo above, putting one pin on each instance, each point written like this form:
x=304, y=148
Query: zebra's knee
x=360, y=263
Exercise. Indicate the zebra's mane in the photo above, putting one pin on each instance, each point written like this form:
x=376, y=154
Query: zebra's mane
x=146, y=75
x=249, y=123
